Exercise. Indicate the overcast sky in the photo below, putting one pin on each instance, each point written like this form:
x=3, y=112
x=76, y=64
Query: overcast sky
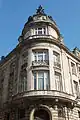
x=14, y=14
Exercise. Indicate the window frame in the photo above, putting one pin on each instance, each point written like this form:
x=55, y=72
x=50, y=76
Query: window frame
x=40, y=31
x=75, y=89
x=58, y=82
x=73, y=68
x=41, y=55
x=45, y=80
x=22, y=86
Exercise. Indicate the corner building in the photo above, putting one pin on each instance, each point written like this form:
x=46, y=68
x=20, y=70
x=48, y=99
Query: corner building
x=40, y=78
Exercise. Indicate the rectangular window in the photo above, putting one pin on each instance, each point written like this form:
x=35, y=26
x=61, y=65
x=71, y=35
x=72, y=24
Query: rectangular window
x=35, y=81
x=75, y=87
x=40, y=31
x=56, y=57
x=22, y=86
x=40, y=56
x=58, y=82
x=41, y=80
x=73, y=68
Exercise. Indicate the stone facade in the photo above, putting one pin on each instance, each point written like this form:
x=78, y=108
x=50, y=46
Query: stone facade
x=40, y=78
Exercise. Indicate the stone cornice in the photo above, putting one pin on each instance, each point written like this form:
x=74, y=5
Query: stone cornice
x=29, y=42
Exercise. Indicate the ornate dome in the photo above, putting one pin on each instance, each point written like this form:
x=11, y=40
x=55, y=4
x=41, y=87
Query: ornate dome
x=40, y=20
x=40, y=15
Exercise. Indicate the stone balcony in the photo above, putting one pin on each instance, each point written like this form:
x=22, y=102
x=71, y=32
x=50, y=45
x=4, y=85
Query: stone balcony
x=51, y=94
x=39, y=36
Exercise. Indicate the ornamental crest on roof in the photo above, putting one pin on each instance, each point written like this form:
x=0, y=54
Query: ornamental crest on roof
x=40, y=10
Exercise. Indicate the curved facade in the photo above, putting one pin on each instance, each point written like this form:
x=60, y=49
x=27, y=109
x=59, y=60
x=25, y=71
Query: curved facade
x=40, y=78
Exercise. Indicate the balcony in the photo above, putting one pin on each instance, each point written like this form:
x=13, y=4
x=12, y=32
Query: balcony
x=40, y=63
x=52, y=94
x=57, y=65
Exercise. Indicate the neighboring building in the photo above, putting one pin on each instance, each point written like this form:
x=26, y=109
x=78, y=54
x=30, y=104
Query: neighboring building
x=40, y=78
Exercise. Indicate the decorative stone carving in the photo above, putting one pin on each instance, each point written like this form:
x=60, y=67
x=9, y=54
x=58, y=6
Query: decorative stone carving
x=40, y=10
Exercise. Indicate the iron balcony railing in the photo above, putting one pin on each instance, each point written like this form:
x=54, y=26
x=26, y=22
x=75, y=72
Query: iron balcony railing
x=42, y=63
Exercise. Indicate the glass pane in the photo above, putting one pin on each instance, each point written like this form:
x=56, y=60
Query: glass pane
x=39, y=29
x=75, y=87
x=44, y=31
x=47, y=80
x=40, y=81
x=58, y=82
x=39, y=32
x=35, y=81
x=40, y=56
x=45, y=56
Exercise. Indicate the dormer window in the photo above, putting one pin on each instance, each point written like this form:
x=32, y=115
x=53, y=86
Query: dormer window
x=40, y=31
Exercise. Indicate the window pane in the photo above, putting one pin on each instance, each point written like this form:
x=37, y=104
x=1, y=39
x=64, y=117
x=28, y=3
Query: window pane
x=47, y=80
x=40, y=56
x=44, y=31
x=73, y=68
x=75, y=87
x=35, y=81
x=56, y=56
x=23, y=81
x=58, y=81
x=45, y=56
x=39, y=32
x=40, y=81
x=40, y=29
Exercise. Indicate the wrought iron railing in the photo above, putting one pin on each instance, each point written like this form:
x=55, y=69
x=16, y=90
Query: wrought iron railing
x=37, y=63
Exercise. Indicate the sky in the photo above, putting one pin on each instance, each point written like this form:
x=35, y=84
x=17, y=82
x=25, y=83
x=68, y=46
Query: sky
x=14, y=14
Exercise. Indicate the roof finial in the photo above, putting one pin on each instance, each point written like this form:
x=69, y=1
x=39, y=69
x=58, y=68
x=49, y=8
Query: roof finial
x=40, y=10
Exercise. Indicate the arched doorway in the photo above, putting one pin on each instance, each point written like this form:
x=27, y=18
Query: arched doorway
x=41, y=114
